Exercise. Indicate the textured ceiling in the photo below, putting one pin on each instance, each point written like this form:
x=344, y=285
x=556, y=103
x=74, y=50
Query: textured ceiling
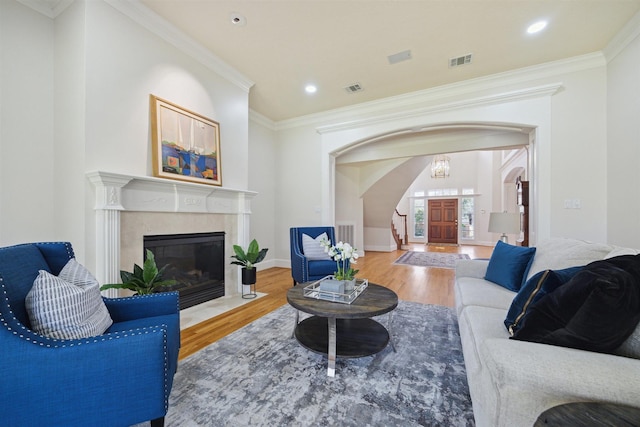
x=287, y=44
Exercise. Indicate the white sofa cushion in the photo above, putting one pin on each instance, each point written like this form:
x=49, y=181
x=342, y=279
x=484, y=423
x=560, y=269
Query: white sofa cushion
x=471, y=268
x=473, y=291
x=619, y=250
x=478, y=325
x=529, y=378
x=631, y=347
x=560, y=253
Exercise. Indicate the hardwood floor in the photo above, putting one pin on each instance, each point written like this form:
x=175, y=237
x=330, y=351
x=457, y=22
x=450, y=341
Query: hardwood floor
x=417, y=284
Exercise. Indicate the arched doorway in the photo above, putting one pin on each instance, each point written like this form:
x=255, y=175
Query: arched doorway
x=450, y=137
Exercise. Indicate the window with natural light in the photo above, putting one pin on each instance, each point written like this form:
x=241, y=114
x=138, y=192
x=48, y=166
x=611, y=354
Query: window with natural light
x=442, y=192
x=467, y=215
x=418, y=214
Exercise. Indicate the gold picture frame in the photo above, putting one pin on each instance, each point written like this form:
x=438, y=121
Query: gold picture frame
x=185, y=145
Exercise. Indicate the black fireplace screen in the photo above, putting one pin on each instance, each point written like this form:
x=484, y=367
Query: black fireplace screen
x=195, y=261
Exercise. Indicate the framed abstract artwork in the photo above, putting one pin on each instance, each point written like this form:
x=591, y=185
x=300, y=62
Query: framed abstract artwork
x=185, y=145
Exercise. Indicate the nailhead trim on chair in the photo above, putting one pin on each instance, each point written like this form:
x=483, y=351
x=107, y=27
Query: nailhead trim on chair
x=43, y=341
x=56, y=343
x=67, y=246
x=166, y=367
x=130, y=299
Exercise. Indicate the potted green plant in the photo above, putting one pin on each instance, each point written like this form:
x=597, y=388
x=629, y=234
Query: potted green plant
x=143, y=280
x=247, y=259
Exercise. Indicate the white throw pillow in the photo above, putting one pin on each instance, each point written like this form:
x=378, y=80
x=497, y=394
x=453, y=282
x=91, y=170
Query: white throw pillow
x=68, y=306
x=312, y=248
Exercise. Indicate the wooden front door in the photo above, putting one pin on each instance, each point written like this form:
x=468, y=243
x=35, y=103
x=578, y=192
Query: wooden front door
x=443, y=221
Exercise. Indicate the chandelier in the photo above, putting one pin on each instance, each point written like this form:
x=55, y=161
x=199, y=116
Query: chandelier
x=440, y=167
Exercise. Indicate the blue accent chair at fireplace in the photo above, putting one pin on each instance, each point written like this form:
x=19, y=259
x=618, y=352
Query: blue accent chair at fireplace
x=120, y=378
x=302, y=268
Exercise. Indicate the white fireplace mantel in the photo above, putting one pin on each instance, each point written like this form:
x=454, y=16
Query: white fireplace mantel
x=148, y=194
x=116, y=193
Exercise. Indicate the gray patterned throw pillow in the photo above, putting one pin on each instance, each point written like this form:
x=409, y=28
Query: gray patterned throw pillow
x=312, y=248
x=68, y=306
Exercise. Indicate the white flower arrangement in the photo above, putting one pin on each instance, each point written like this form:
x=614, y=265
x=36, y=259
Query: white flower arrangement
x=341, y=253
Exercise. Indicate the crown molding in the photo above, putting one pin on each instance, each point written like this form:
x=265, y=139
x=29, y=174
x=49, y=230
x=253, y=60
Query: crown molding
x=623, y=38
x=49, y=8
x=399, y=104
x=262, y=120
x=153, y=22
x=528, y=93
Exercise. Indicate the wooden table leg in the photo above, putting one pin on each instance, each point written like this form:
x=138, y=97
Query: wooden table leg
x=331, y=353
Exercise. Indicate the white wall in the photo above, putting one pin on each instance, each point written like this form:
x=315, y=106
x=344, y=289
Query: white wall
x=350, y=208
x=263, y=170
x=73, y=217
x=484, y=205
x=463, y=169
x=105, y=66
x=579, y=147
x=125, y=63
x=623, y=174
x=299, y=182
x=27, y=196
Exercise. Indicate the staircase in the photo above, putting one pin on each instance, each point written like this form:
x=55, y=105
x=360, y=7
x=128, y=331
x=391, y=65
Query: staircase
x=399, y=229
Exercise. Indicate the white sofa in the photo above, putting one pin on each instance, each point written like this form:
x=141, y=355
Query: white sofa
x=511, y=382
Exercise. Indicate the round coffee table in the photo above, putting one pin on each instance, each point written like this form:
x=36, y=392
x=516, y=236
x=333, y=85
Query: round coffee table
x=344, y=330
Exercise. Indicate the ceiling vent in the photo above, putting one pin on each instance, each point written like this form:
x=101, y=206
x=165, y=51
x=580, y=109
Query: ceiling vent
x=460, y=60
x=353, y=88
x=399, y=57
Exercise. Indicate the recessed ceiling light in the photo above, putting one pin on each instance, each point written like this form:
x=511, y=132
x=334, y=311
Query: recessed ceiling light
x=237, y=19
x=310, y=89
x=536, y=27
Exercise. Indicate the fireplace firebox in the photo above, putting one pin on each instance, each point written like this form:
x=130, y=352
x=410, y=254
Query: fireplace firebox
x=195, y=261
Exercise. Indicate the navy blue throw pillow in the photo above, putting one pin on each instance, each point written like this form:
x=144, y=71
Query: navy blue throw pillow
x=508, y=265
x=597, y=310
x=535, y=288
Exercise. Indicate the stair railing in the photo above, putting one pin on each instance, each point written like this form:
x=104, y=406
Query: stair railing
x=399, y=229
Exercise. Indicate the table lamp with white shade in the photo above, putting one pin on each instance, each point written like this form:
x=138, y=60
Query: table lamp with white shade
x=505, y=223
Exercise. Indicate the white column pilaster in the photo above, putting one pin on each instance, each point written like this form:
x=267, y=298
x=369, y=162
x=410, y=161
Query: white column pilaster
x=108, y=206
x=244, y=228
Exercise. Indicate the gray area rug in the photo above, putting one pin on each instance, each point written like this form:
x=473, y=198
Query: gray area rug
x=430, y=259
x=260, y=376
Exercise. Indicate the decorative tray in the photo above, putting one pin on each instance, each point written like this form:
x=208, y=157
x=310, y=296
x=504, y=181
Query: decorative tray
x=313, y=291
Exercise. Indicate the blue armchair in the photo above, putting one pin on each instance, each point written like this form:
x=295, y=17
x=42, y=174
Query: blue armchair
x=120, y=378
x=304, y=269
